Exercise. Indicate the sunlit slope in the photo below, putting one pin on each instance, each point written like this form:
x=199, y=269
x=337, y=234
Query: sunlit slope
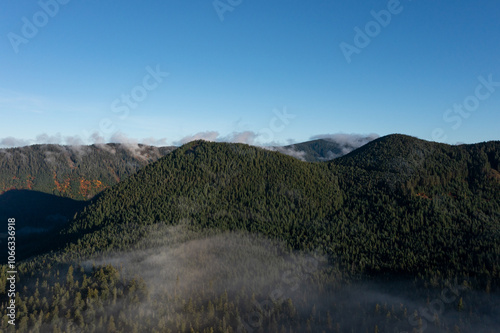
x=228, y=185
x=77, y=172
x=407, y=155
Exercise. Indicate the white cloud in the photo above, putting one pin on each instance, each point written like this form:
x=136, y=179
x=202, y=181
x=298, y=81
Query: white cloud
x=130, y=144
x=298, y=154
x=10, y=142
x=96, y=138
x=154, y=142
x=207, y=136
x=247, y=137
x=46, y=139
x=73, y=141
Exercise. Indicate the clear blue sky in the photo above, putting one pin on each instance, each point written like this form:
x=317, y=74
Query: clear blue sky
x=67, y=79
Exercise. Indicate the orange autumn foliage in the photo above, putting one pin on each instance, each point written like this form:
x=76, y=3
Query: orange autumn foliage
x=62, y=187
x=90, y=187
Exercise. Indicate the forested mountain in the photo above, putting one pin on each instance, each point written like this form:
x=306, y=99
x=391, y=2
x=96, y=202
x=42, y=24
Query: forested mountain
x=405, y=205
x=81, y=172
x=45, y=185
x=327, y=148
x=77, y=172
x=399, y=209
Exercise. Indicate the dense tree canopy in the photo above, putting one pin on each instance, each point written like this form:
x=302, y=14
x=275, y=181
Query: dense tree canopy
x=398, y=207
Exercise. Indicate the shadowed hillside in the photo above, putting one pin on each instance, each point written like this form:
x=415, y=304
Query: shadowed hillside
x=38, y=217
x=37, y=210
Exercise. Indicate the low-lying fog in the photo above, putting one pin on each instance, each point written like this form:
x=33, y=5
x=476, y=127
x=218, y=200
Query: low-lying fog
x=244, y=268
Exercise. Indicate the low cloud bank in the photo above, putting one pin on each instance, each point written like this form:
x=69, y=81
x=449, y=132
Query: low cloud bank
x=203, y=268
x=76, y=140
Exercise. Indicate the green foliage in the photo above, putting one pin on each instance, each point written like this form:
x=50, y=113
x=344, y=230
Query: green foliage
x=397, y=205
x=77, y=172
x=104, y=298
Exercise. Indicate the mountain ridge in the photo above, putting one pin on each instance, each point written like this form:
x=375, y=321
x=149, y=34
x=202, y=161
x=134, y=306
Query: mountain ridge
x=212, y=228
x=78, y=172
x=235, y=186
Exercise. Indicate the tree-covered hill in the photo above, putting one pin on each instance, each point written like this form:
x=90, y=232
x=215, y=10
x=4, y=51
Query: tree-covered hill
x=314, y=150
x=54, y=172
x=80, y=172
x=431, y=168
x=405, y=154
x=77, y=172
x=205, y=239
x=399, y=205
x=326, y=148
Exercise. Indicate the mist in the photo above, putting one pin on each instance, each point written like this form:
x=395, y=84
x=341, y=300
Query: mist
x=301, y=291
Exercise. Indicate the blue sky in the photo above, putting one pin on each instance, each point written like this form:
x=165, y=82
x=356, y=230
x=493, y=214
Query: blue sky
x=269, y=72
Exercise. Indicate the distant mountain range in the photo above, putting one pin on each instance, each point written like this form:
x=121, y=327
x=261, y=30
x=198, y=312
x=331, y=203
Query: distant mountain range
x=80, y=172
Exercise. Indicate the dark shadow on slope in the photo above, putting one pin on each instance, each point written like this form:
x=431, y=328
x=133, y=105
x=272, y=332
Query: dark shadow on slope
x=38, y=217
